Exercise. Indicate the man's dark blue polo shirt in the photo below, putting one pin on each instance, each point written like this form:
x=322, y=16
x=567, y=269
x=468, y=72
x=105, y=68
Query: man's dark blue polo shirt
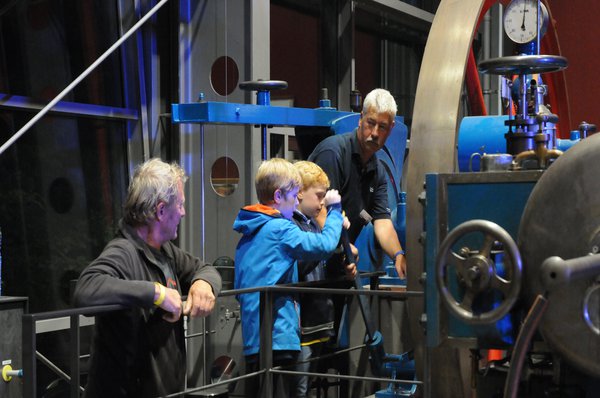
x=360, y=187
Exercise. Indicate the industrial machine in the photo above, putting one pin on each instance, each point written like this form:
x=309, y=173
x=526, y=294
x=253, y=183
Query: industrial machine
x=502, y=238
x=508, y=226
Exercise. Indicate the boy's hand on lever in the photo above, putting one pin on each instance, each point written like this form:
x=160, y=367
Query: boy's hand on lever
x=332, y=197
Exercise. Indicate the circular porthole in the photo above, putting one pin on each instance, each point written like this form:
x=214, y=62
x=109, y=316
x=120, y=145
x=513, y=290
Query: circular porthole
x=224, y=176
x=224, y=75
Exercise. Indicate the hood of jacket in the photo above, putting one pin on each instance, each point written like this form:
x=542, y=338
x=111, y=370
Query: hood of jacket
x=252, y=218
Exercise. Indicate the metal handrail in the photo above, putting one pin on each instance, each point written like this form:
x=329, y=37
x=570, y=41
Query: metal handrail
x=30, y=353
x=345, y=377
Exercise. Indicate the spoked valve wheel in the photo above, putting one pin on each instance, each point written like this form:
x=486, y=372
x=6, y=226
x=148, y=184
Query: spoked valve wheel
x=477, y=272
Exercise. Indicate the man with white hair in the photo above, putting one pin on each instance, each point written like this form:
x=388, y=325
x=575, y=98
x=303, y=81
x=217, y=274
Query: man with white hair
x=349, y=161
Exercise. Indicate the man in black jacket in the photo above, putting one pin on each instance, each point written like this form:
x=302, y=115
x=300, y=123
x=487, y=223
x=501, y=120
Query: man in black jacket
x=140, y=352
x=353, y=169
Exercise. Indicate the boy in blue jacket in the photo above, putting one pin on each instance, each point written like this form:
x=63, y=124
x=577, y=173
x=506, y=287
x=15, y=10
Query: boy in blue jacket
x=267, y=254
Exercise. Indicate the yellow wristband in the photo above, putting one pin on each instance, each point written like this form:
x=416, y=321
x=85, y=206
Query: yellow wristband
x=161, y=296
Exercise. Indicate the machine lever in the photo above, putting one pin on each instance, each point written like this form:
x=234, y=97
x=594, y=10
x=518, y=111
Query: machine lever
x=362, y=299
x=557, y=271
x=374, y=339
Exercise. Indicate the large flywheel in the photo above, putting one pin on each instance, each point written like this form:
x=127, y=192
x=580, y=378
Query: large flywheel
x=562, y=218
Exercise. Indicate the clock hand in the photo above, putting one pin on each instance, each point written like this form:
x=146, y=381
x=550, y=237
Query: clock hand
x=524, y=11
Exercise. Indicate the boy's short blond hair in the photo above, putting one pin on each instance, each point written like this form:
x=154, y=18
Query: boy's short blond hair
x=312, y=175
x=276, y=174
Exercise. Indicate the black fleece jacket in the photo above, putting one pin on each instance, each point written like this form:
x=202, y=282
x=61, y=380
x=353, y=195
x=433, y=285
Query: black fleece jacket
x=135, y=352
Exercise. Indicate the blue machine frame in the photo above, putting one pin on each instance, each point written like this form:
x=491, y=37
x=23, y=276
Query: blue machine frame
x=339, y=122
x=451, y=200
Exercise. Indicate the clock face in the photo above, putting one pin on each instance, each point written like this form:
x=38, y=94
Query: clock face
x=519, y=20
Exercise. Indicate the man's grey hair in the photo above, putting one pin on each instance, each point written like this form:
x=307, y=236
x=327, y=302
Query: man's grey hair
x=381, y=101
x=153, y=181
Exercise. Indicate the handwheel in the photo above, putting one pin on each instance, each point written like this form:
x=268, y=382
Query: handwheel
x=476, y=271
x=263, y=85
x=523, y=64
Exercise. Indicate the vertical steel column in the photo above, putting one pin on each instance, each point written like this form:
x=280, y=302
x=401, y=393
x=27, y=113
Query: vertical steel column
x=202, y=191
x=337, y=51
x=75, y=347
x=346, y=42
x=144, y=105
x=329, y=50
x=266, y=339
x=0, y=261
x=29, y=348
x=260, y=67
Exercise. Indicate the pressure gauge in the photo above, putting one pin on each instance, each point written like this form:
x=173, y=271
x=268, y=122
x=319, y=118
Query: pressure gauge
x=519, y=20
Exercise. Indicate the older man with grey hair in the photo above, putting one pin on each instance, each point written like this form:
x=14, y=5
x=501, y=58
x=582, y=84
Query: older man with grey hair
x=140, y=352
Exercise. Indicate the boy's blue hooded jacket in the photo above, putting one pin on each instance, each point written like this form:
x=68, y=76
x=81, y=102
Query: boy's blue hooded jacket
x=266, y=255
